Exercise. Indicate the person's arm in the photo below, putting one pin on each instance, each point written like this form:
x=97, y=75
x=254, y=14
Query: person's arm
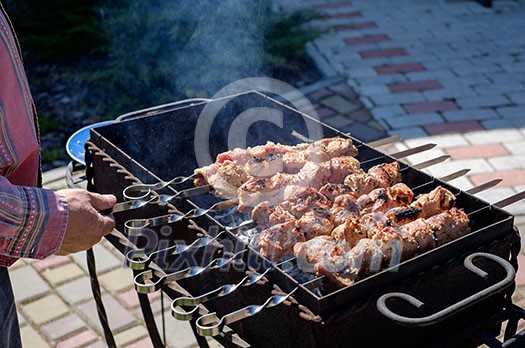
x=36, y=222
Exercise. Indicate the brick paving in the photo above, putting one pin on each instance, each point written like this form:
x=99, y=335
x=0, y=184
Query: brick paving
x=446, y=72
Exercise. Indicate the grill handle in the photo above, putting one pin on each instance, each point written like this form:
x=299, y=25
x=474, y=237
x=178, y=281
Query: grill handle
x=455, y=308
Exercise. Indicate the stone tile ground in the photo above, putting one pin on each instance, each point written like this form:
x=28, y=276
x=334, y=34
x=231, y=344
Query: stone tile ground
x=445, y=72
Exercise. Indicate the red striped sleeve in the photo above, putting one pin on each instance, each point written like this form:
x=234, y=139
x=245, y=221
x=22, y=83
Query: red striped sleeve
x=32, y=220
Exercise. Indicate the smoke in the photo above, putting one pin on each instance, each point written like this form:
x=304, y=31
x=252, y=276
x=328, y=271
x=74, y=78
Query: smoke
x=184, y=48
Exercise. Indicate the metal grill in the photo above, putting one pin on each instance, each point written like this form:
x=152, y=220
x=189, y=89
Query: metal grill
x=158, y=144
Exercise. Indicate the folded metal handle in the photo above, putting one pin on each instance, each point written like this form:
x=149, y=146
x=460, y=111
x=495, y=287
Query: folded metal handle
x=211, y=325
x=139, y=191
x=138, y=259
x=455, y=308
x=145, y=285
x=193, y=302
x=133, y=227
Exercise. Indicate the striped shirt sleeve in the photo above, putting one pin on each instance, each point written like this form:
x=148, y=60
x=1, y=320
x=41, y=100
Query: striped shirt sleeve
x=32, y=220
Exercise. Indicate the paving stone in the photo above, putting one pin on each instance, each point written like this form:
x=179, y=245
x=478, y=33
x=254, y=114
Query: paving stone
x=339, y=104
x=63, y=273
x=463, y=183
x=386, y=111
x=325, y=112
x=477, y=151
x=414, y=86
x=118, y=316
x=363, y=132
x=469, y=115
x=515, y=147
x=502, y=123
x=45, y=309
x=143, y=343
x=117, y=280
x=399, y=68
x=101, y=343
x=424, y=107
x=517, y=98
x=407, y=133
x=27, y=284
x=476, y=166
x=443, y=141
x=489, y=137
x=181, y=335
x=76, y=291
x=388, y=52
x=414, y=120
x=104, y=258
x=453, y=127
x=51, y=262
x=319, y=94
x=329, y=5
x=31, y=338
x=337, y=121
x=360, y=72
x=399, y=98
x=356, y=26
x=373, y=90
x=512, y=111
x=130, y=335
x=346, y=15
x=362, y=116
x=511, y=177
x=367, y=39
x=508, y=162
x=63, y=327
x=482, y=101
x=80, y=339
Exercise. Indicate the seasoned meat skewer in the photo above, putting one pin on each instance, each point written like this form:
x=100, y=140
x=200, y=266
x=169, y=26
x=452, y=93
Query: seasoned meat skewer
x=319, y=221
x=426, y=205
x=343, y=266
x=270, y=159
x=274, y=189
x=261, y=213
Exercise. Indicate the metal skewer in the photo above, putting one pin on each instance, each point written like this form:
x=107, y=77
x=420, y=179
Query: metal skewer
x=179, y=313
x=139, y=260
x=145, y=285
x=211, y=325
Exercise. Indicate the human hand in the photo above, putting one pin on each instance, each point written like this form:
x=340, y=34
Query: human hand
x=86, y=226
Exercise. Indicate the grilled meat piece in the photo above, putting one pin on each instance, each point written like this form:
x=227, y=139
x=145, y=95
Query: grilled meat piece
x=226, y=180
x=383, y=199
x=300, y=200
x=449, y=225
x=278, y=241
x=331, y=191
x=340, y=168
x=350, y=231
x=261, y=214
x=344, y=208
x=335, y=147
x=257, y=190
x=382, y=175
x=315, y=222
x=265, y=216
x=312, y=252
x=238, y=156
